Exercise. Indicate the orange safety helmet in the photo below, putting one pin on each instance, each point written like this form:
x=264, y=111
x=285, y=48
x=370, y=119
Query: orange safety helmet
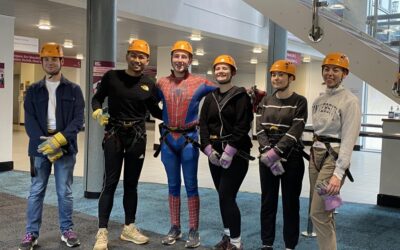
x=182, y=45
x=225, y=59
x=338, y=59
x=51, y=50
x=284, y=66
x=141, y=46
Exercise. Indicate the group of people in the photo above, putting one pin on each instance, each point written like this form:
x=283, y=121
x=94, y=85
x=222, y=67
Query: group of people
x=54, y=110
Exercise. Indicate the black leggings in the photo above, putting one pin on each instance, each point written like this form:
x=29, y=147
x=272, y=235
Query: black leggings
x=123, y=145
x=227, y=182
x=291, y=183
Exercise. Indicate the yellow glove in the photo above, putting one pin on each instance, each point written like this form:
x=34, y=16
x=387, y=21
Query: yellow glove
x=55, y=156
x=101, y=118
x=52, y=144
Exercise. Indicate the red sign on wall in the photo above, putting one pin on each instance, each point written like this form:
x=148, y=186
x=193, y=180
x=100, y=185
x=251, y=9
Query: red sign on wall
x=34, y=58
x=293, y=57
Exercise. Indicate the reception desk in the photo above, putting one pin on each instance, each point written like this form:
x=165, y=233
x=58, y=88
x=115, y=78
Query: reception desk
x=389, y=187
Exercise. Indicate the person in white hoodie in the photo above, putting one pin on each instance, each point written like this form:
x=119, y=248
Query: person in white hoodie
x=336, y=117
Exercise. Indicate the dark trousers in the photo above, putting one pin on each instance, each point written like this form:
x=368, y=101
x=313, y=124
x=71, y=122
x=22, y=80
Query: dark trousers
x=128, y=146
x=291, y=183
x=227, y=182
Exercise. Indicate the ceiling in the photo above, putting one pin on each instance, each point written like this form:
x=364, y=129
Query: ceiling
x=70, y=23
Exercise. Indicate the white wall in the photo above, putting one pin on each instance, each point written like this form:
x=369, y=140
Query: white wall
x=6, y=93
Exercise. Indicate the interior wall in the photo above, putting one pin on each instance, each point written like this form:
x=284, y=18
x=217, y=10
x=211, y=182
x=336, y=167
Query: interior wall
x=6, y=93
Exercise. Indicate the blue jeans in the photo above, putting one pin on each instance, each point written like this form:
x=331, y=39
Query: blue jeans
x=63, y=173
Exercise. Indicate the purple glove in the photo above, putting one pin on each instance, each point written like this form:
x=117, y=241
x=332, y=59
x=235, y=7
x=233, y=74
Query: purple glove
x=213, y=156
x=227, y=156
x=331, y=201
x=277, y=168
x=269, y=157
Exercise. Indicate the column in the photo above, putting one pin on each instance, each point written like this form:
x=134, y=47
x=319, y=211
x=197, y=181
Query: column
x=6, y=90
x=101, y=46
x=277, y=43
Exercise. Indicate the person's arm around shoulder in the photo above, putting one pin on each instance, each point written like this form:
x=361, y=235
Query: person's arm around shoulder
x=153, y=101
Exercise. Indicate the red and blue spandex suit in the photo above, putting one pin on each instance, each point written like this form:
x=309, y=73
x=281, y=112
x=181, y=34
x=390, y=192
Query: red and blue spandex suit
x=181, y=98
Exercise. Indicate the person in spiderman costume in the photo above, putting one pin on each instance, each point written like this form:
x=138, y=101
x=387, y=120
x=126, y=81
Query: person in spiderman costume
x=181, y=93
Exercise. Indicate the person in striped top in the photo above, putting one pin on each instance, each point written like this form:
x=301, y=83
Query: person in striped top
x=280, y=124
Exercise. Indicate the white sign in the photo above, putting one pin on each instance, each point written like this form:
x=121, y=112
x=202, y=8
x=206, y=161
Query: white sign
x=27, y=44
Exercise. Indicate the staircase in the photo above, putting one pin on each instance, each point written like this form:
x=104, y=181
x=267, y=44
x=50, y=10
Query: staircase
x=370, y=60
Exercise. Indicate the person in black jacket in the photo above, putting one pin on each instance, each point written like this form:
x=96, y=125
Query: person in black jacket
x=280, y=124
x=225, y=122
x=130, y=94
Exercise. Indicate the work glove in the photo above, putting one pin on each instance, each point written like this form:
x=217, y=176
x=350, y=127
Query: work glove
x=101, y=117
x=331, y=201
x=277, y=168
x=227, y=156
x=269, y=157
x=56, y=155
x=51, y=144
x=213, y=156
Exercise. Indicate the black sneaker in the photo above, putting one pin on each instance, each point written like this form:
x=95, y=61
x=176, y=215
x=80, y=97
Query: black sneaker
x=223, y=244
x=70, y=238
x=28, y=243
x=194, y=239
x=173, y=235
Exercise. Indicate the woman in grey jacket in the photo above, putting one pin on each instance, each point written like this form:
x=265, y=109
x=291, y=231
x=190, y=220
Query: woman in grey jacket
x=336, y=117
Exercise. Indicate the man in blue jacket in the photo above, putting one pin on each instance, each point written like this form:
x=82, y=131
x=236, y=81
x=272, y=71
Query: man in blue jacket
x=54, y=109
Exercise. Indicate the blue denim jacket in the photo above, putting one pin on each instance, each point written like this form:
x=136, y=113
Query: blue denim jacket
x=69, y=113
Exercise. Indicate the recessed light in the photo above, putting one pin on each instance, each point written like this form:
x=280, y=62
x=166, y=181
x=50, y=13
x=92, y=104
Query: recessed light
x=79, y=56
x=306, y=59
x=257, y=50
x=68, y=44
x=44, y=24
x=195, y=37
x=254, y=61
x=132, y=37
x=195, y=62
x=337, y=6
x=199, y=52
x=209, y=72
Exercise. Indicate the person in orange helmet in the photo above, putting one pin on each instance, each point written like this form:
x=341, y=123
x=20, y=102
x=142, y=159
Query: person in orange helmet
x=282, y=118
x=54, y=114
x=130, y=94
x=181, y=93
x=225, y=121
x=336, y=117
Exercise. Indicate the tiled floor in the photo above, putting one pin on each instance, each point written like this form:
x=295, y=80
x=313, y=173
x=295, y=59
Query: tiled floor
x=365, y=168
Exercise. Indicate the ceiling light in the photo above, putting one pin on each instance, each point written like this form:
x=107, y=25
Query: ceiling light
x=337, y=6
x=199, y=52
x=209, y=72
x=44, y=24
x=306, y=59
x=132, y=37
x=195, y=62
x=257, y=50
x=254, y=61
x=195, y=37
x=68, y=44
x=79, y=56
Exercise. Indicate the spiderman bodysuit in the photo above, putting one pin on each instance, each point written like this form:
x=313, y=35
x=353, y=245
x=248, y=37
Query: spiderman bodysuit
x=181, y=98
